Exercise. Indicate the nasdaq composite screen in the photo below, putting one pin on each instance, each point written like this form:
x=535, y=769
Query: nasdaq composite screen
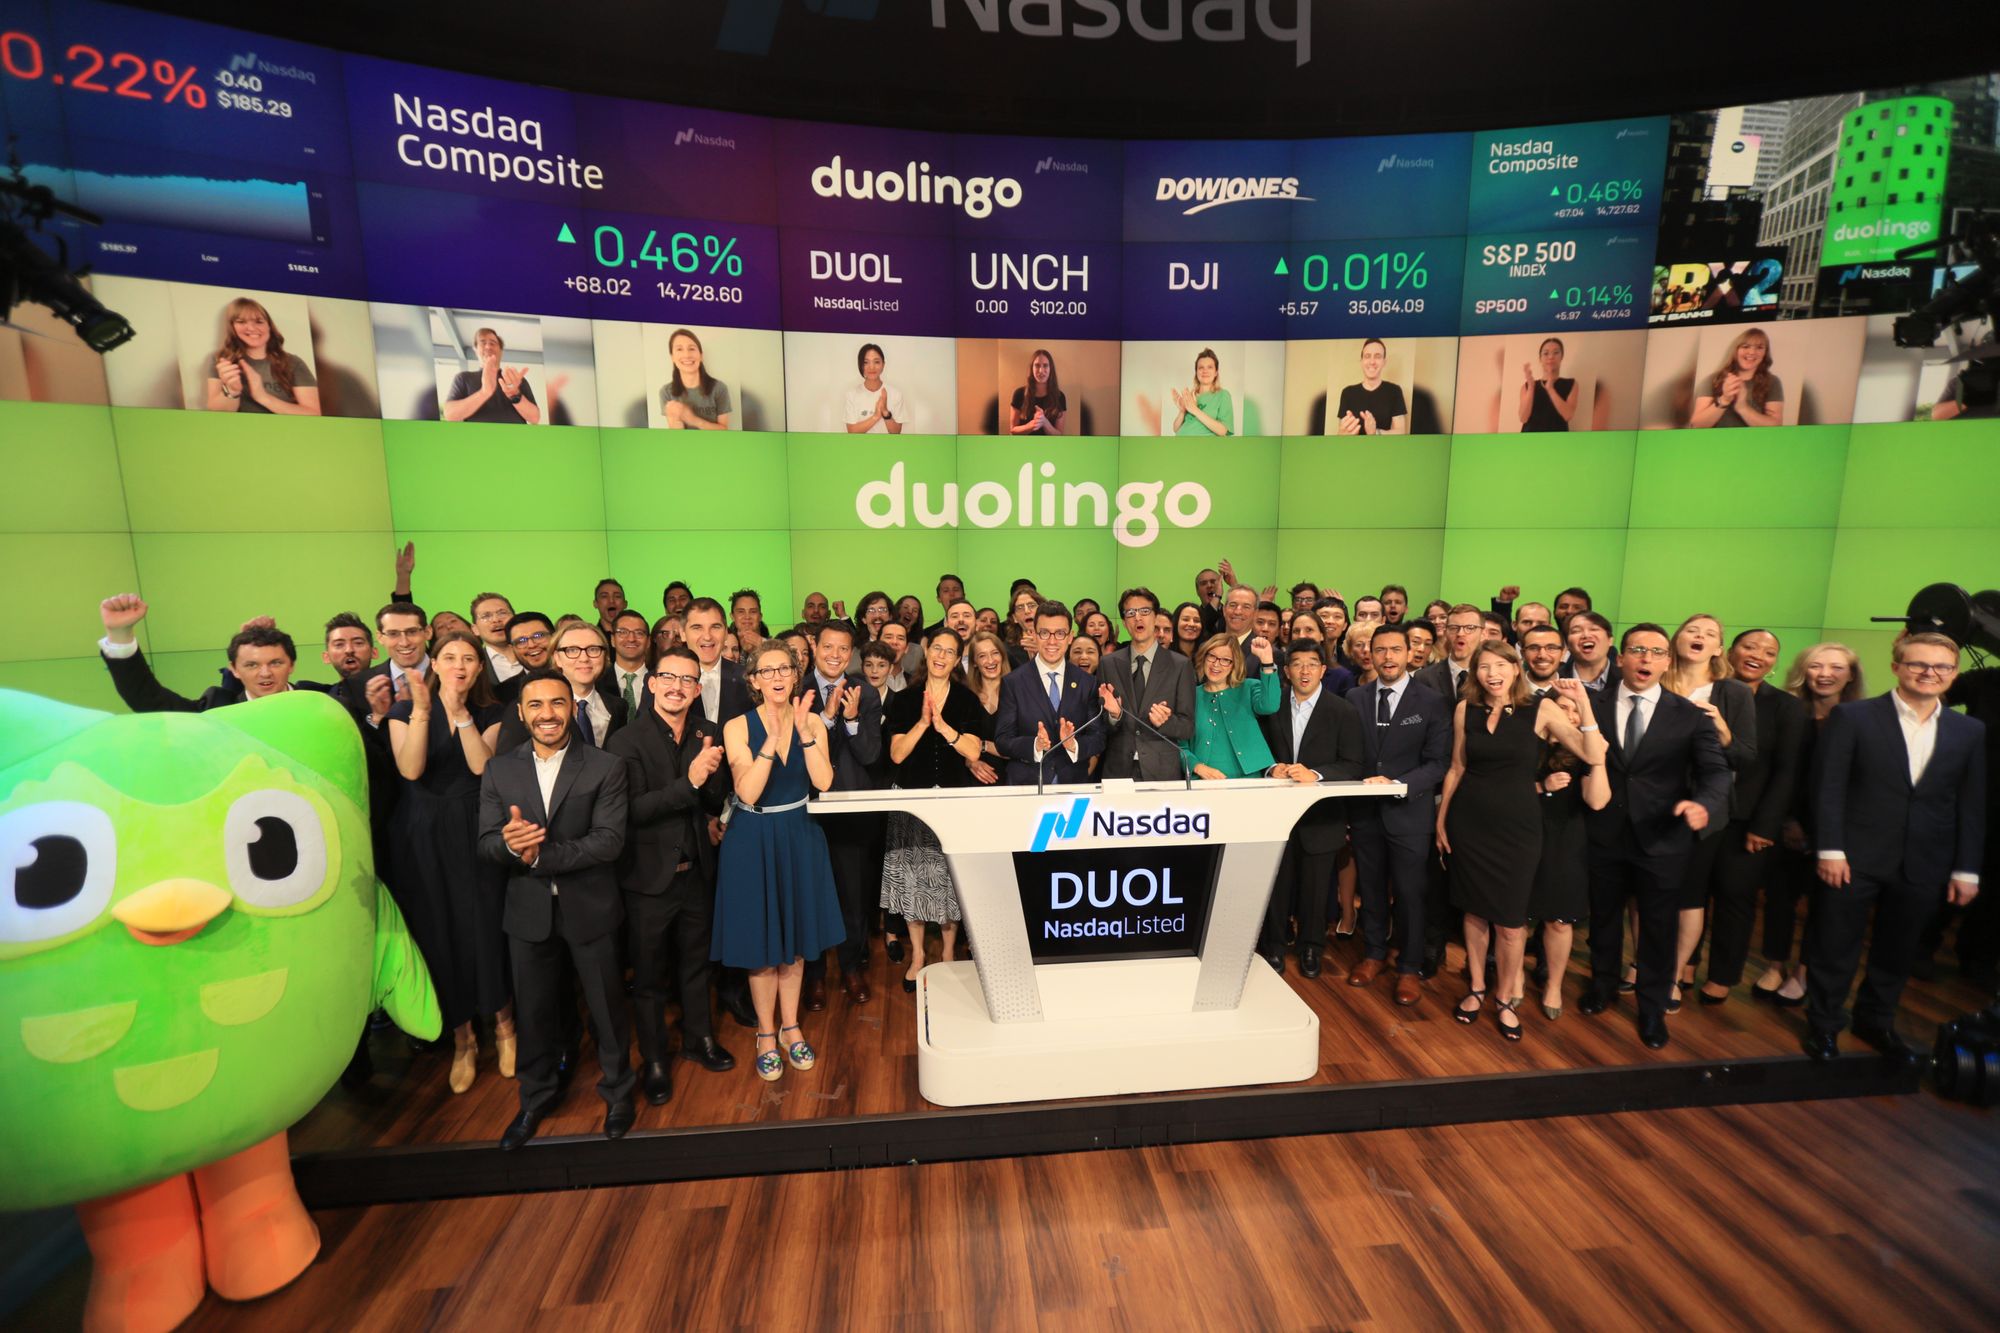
x=1094, y=362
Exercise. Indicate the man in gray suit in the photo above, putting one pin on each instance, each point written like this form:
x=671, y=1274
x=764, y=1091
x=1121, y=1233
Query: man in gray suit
x=1464, y=628
x=1145, y=680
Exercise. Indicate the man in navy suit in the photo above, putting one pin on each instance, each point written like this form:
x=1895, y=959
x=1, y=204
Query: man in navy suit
x=1316, y=738
x=852, y=711
x=1669, y=781
x=1899, y=806
x=1406, y=738
x=1043, y=708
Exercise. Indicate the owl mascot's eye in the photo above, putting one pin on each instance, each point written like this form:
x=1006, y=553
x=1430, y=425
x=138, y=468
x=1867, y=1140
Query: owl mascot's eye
x=59, y=860
x=275, y=847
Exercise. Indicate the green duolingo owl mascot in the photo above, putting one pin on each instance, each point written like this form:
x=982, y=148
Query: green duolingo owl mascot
x=191, y=940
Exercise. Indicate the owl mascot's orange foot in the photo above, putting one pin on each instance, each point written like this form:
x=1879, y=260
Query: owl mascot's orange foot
x=236, y=1225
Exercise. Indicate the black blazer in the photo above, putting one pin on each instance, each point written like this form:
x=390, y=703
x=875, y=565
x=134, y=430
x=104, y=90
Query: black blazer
x=1170, y=681
x=854, y=757
x=1679, y=759
x=668, y=813
x=142, y=692
x=1437, y=678
x=1764, y=786
x=514, y=732
x=586, y=834
x=1732, y=699
x=1024, y=703
x=1414, y=749
x=1331, y=747
x=1865, y=806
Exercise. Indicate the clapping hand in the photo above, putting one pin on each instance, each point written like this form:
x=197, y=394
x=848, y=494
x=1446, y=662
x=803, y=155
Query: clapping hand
x=522, y=837
x=419, y=695
x=702, y=767
x=1349, y=424
x=380, y=698
x=882, y=402
x=1159, y=713
x=230, y=372
x=1067, y=733
x=1108, y=698
x=1041, y=738
x=835, y=695
x=675, y=412
x=1368, y=426
x=1528, y=372
x=510, y=381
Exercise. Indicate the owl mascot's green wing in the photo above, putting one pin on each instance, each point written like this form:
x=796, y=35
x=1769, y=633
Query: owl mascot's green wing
x=191, y=940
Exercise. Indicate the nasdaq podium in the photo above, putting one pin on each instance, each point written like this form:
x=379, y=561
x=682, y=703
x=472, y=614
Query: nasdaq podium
x=1113, y=927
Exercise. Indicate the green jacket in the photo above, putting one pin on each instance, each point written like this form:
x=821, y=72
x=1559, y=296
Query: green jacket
x=1226, y=735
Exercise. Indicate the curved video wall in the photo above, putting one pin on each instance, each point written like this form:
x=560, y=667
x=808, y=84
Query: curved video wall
x=1654, y=357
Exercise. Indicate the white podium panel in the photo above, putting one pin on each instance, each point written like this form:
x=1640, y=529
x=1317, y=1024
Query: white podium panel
x=1165, y=995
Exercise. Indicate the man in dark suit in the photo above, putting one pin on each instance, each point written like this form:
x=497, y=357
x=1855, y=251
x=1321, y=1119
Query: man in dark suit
x=1406, y=738
x=1044, y=709
x=1669, y=781
x=1464, y=628
x=673, y=779
x=405, y=632
x=261, y=660
x=1144, y=681
x=725, y=695
x=852, y=711
x=1316, y=737
x=553, y=812
x=1899, y=805
x=597, y=711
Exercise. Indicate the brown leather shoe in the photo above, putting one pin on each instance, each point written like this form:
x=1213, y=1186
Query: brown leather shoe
x=1365, y=972
x=816, y=995
x=856, y=987
x=1408, y=989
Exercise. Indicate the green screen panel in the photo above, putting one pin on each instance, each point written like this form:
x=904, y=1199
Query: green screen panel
x=1792, y=640
x=1064, y=565
x=848, y=565
x=61, y=468
x=202, y=586
x=548, y=571
x=218, y=472
x=1478, y=562
x=1743, y=575
x=1169, y=564
x=1578, y=480
x=1749, y=478
x=1914, y=473
x=655, y=479
x=826, y=474
x=1875, y=570
x=82, y=681
x=1240, y=475
x=1874, y=647
x=466, y=476
x=714, y=564
x=53, y=585
x=1358, y=561
x=1393, y=482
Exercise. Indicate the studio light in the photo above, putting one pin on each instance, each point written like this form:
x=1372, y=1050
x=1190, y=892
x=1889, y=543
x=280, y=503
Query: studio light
x=29, y=274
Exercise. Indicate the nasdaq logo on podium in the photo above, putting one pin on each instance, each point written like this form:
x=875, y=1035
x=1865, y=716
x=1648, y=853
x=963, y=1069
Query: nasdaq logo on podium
x=1166, y=822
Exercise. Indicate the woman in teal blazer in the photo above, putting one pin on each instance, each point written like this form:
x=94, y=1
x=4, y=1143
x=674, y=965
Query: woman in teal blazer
x=1227, y=742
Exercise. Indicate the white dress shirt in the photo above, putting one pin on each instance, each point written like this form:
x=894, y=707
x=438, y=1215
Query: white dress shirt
x=1648, y=703
x=396, y=671
x=638, y=677
x=502, y=666
x=1920, y=740
x=546, y=773
x=1302, y=712
x=711, y=690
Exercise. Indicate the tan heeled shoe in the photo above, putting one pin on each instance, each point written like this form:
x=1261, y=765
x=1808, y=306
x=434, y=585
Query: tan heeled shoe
x=503, y=1044
x=464, y=1063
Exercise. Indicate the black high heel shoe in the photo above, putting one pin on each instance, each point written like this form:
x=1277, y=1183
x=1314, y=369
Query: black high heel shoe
x=894, y=948
x=1508, y=1007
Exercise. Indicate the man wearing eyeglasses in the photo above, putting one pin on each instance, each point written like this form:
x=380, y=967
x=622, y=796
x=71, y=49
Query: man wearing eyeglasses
x=852, y=711
x=1042, y=726
x=579, y=655
x=406, y=635
x=631, y=644
x=1669, y=781
x=1899, y=807
x=674, y=781
x=490, y=613
x=1464, y=628
x=1144, y=681
x=531, y=634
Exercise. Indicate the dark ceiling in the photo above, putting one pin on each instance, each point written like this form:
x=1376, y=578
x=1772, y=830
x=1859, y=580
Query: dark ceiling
x=1373, y=66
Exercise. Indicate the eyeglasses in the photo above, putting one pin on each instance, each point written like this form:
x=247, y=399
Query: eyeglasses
x=1646, y=652
x=488, y=617
x=774, y=672
x=1139, y=613
x=1473, y=628
x=628, y=634
x=576, y=650
x=672, y=679
x=1938, y=669
x=523, y=640
x=1052, y=635
x=404, y=633
x=1224, y=658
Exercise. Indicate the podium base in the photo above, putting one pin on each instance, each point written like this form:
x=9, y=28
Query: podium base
x=1104, y=1034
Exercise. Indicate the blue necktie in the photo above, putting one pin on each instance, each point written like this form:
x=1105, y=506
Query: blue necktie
x=1055, y=694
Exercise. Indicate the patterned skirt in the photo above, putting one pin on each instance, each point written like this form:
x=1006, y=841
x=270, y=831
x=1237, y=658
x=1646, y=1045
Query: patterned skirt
x=916, y=878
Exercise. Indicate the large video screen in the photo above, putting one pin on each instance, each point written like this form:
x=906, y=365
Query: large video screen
x=1263, y=349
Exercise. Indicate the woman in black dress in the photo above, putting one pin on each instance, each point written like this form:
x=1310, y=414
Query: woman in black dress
x=450, y=895
x=1490, y=822
x=1561, y=894
x=936, y=729
x=1548, y=401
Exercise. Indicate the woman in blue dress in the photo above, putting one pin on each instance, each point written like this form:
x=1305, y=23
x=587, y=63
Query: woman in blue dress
x=775, y=903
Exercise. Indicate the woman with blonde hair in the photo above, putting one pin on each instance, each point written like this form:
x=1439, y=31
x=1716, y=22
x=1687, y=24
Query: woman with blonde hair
x=1204, y=407
x=1700, y=673
x=986, y=665
x=1227, y=740
x=1354, y=647
x=1489, y=821
x=254, y=372
x=1824, y=676
x=1742, y=391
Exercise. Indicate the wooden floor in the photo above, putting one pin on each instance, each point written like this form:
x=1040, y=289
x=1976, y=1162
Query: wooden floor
x=1877, y=1214
x=867, y=1057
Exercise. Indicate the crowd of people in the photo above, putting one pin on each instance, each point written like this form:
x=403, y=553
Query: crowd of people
x=560, y=800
